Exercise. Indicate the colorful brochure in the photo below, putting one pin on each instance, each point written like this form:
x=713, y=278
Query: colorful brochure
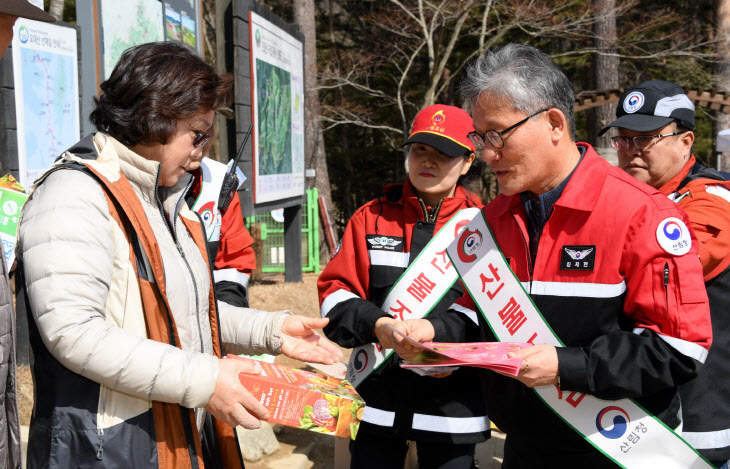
x=301, y=399
x=490, y=355
x=439, y=357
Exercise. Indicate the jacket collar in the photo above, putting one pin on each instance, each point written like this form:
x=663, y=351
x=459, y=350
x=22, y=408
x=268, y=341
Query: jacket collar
x=449, y=205
x=142, y=173
x=675, y=183
x=577, y=195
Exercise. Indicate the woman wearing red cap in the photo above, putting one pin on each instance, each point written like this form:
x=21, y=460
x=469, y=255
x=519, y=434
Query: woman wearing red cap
x=391, y=266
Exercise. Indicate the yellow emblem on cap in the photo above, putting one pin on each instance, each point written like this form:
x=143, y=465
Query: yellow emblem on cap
x=438, y=118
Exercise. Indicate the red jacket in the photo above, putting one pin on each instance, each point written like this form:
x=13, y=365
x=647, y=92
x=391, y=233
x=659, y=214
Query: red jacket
x=233, y=251
x=703, y=193
x=381, y=240
x=633, y=317
x=707, y=203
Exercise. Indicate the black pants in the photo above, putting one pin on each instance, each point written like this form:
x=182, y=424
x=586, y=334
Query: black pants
x=524, y=455
x=370, y=451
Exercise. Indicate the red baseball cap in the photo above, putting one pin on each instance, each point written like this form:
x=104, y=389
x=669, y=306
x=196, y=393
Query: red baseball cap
x=444, y=128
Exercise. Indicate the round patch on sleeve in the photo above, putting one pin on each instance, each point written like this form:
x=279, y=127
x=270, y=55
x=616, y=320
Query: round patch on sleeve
x=673, y=236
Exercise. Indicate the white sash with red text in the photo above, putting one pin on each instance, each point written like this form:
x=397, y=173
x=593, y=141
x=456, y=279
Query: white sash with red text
x=206, y=204
x=620, y=429
x=414, y=295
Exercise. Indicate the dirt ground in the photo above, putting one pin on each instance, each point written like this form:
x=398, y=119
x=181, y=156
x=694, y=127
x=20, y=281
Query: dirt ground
x=272, y=294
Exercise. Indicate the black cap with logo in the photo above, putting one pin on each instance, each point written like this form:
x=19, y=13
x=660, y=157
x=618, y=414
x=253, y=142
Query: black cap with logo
x=651, y=105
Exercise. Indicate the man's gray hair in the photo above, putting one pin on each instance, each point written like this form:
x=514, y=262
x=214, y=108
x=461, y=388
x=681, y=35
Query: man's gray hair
x=521, y=75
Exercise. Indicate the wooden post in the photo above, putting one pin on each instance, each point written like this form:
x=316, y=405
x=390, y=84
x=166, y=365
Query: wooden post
x=329, y=230
x=293, y=244
x=255, y=231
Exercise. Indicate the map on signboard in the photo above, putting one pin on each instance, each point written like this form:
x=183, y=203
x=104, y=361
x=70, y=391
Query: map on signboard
x=50, y=120
x=127, y=24
x=277, y=82
x=274, y=110
x=46, y=94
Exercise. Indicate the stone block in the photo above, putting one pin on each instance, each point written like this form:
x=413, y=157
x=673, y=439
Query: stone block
x=257, y=443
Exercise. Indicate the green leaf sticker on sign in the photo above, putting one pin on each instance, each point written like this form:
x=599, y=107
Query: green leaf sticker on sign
x=11, y=202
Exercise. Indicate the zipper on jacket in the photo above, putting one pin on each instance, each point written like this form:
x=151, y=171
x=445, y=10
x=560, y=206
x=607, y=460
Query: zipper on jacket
x=666, y=283
x=527, y=248
x=197, y=299
x=430, y=216
x=100, y=450
x=180, y=250
x=103, y=398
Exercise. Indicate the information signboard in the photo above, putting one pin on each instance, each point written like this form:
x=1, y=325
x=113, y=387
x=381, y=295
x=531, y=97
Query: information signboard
x=134, y=22
x=127, y=24
x=277, y=94
x=45, y=73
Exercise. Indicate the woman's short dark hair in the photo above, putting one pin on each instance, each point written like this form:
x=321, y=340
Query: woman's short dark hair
x=152, y=87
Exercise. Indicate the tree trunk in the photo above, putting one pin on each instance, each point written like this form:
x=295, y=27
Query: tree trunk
x=605, y=71
x=56, y=9
x=722, y=73
x=304, y=16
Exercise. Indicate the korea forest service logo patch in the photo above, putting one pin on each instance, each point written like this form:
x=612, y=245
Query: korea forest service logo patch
x=207, y=214
x=468, y=245
x=612, y=422
x=385, y=243
x=633, y=102
x=361, y=360
x=578, y=258
x=673, y=236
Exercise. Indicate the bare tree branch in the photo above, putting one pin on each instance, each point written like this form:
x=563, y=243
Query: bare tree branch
x=56, y=9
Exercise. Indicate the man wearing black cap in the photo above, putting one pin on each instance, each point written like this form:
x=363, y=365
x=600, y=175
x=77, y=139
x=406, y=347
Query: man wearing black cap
x=655, y=120
x=10, y=453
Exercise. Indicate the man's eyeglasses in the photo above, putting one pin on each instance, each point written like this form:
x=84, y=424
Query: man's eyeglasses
x=641, y=142
x=201, y=138
x=494, y=137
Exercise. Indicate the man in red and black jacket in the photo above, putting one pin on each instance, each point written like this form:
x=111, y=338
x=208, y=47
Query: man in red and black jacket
x=610, y=263
x=655, y=120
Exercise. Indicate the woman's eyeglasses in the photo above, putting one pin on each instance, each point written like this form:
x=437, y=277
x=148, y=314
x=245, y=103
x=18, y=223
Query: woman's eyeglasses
x=201, y=138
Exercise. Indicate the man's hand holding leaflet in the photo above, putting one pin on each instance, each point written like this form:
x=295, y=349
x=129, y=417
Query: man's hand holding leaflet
x=404, y=337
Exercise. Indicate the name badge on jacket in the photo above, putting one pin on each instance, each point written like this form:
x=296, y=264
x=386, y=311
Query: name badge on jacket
x=385, y=243
x=578, y=258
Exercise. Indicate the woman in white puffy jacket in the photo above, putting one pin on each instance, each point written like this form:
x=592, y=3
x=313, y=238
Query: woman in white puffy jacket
x=126, y=334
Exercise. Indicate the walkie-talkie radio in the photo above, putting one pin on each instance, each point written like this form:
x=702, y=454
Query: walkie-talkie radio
x=230, y=181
